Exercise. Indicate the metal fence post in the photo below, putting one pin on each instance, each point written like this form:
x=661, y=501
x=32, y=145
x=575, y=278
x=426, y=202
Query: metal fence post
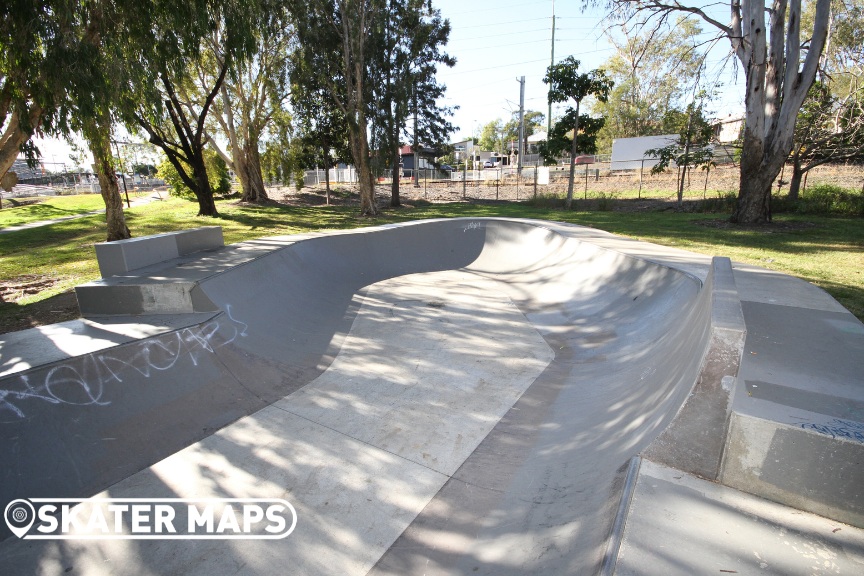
x=586, y=182
x=464, y=179
x=536, y=169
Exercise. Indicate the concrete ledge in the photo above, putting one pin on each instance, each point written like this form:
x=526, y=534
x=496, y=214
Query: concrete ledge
x=796, y=434
x=694, y=441
x=679, y=524
x=814, y=465
x=172, y=286
x=95, y=299
x=116, y=258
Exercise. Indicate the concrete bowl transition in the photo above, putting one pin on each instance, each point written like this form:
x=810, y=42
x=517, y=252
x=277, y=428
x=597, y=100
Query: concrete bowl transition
x=451, y=396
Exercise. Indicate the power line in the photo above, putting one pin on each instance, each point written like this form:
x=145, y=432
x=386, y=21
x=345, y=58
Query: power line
x=494, y=67
x=497, y=35
x=500, y=23
x=543, y=41
x=517, y=4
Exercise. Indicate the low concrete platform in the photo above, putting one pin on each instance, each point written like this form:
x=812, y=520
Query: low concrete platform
x=679, y=524
x=122, y=256
x=34, y=347
x=797, y=431
x=441, y=397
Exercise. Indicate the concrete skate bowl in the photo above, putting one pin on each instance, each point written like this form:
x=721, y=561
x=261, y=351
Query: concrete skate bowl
x=521, y=365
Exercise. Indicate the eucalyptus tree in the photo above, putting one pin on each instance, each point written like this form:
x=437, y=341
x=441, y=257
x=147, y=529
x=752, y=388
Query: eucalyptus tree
x=651, y=69
x=165, y=102
x=335, y=42
x=534, y=122
x=36, y=60
x=319, y=123
x=58, y=74
x=780, y=60
x=253, y=92
x=830, y=129
x=830, y=125
x=691, y=147
x=493, y=136
x=565, y=84
x=407, y=42
x=497, y=134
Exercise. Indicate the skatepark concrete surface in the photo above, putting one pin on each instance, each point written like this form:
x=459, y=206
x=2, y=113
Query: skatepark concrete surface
x=465, y=396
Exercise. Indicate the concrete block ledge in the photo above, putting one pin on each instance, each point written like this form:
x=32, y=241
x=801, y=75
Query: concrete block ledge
x=97, y=299
x=122, y=256
x=694, y=441
x=812, y=464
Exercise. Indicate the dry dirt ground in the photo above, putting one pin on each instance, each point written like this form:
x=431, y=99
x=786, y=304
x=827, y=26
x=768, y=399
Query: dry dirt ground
x=58, y=308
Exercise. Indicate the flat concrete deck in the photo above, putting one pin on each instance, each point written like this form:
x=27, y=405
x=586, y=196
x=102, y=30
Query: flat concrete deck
x=456, y=396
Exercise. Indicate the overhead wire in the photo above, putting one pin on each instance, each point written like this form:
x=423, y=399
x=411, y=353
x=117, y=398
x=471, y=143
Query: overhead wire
x=475, y=38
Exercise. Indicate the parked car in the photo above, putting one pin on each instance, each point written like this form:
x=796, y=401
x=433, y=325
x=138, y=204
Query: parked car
x=447, y=167
x=488, y=164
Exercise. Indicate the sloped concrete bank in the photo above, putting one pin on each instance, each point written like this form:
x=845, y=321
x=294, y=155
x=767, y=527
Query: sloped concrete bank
x=513, y=367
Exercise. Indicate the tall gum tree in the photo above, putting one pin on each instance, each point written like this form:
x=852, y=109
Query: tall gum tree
x=334, y=41
x=408, y=43
x=320, y=123
x=58, y=74
x=180, y=132
x=649, y=69
x=92, y=98
x=33, y=58
x=164, y=43
x=779, y=64
x=252, y=94
x=830, y=125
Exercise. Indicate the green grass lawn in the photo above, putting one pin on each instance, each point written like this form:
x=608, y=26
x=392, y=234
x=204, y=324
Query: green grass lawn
x=826, y=251
x=54, y=207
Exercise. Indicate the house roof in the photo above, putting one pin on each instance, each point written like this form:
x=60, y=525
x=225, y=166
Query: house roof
x=422, y=150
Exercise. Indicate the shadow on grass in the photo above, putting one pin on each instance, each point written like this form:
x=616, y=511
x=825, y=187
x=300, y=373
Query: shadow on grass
x=38, y=212
x=289, y=218
x=851, y=297
x=788, y=234
x=66, y=248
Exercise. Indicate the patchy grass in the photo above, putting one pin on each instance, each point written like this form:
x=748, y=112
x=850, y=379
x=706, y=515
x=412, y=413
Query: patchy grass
x=826, y=251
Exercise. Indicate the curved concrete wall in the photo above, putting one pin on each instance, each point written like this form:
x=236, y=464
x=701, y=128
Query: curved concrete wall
x=628, y=337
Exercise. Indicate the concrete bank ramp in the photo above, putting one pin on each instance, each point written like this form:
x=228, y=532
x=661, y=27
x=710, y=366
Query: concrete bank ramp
x=457, y=396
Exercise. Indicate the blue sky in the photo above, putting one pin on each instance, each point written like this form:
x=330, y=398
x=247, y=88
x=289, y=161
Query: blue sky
x=497, y=42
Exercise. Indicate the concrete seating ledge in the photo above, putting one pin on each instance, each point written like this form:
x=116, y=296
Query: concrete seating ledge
x=119, y=257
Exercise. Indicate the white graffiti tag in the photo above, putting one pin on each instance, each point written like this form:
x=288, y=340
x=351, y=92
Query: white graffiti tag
x=82, y=381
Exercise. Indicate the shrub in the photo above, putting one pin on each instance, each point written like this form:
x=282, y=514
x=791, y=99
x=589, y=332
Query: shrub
x=217, y=175
x=546, y=200
x=724, y=203
x=831, y=199
x=605, y=202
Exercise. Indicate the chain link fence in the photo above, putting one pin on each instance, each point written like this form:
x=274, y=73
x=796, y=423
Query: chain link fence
x=599, y=181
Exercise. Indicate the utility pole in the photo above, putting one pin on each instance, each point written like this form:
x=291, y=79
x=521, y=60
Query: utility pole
x=551, y=63
x=416, y=155
x=521, y=147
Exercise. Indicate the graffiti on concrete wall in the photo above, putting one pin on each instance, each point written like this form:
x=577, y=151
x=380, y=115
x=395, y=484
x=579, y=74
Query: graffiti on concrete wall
x=83, y=381
x=838, y=428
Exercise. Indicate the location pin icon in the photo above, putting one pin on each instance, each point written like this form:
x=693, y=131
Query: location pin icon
x=19, y=515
